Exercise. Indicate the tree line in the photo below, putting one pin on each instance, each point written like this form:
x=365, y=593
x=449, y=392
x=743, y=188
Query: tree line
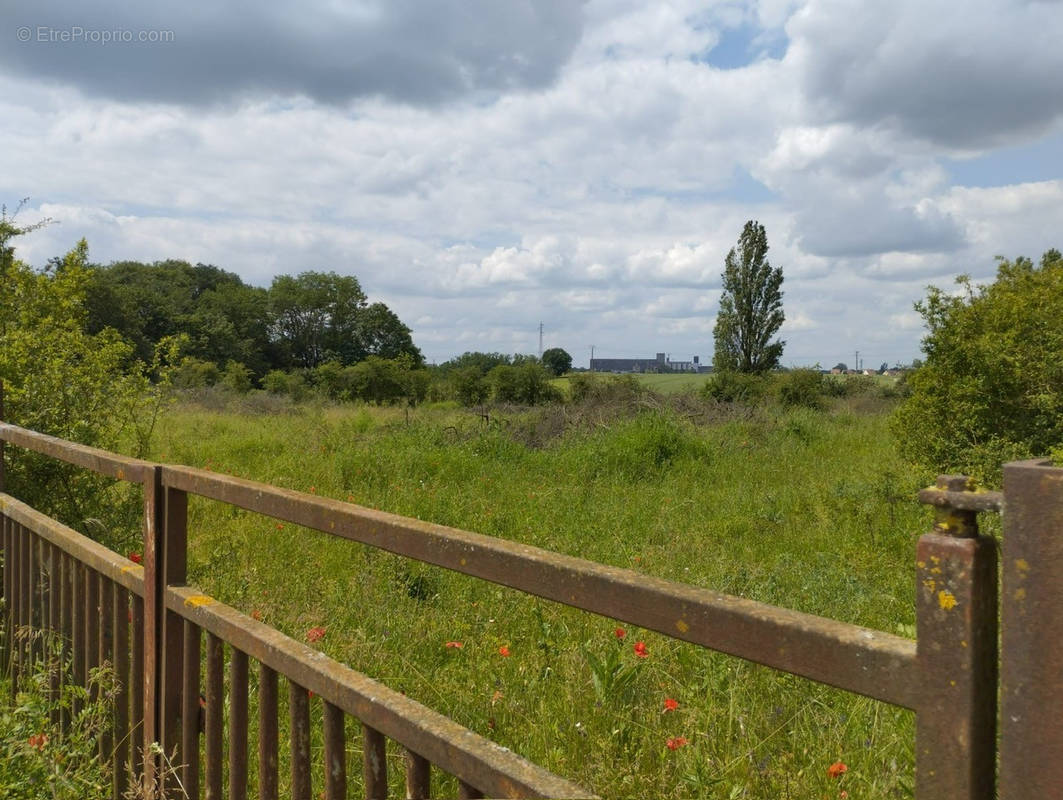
x=300, y=321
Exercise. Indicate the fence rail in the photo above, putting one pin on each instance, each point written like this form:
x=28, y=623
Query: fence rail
x=948, y=675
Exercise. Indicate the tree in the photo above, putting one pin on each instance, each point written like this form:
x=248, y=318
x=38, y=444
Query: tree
x=750, y=307
x=61, y=380
x=841, y=366
x=557, y=361
x=990, y=388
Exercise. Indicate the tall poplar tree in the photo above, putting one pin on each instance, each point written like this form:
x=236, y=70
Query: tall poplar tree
x=750, y=307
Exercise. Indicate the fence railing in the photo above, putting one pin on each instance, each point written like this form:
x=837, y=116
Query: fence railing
x=948, y=675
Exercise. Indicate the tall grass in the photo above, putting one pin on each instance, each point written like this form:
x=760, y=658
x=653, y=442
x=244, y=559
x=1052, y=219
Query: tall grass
x=804, y=509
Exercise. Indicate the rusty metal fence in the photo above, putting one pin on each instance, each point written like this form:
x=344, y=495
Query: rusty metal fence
x=153, y=627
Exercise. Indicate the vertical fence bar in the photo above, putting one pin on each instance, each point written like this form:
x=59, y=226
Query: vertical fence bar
x=190, y=711
x=154, y=604
x=136, y=686
x=335, y=754
x=171, y=640
x=267, y=733
x=1031, y=745
x=120, y=621
x=106, y=653
x=299, y=732
x=956, y=600
x=66, y=626
x=23, y=596
x=374, y=764
x=90, y=622
x=36, y=597
x=7, y=591
x=9, y=574
x=418, y=776
x=238, y=725
x=215, y=714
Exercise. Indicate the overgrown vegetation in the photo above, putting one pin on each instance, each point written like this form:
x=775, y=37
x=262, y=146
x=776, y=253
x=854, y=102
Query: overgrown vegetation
x=62, y=381
x=991, y=387
x=807, y=509
x=39, y=758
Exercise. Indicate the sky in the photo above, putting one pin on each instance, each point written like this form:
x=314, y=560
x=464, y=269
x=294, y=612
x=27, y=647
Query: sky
x=483, y=167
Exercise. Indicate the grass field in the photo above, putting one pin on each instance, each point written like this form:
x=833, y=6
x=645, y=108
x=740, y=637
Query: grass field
x=808, y=510
x=662, y=384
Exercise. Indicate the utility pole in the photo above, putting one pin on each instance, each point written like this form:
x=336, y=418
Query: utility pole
x=540, y=341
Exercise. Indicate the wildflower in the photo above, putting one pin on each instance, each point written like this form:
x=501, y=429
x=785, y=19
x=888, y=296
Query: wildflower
x=503, y=651
x=844, y=794
x=313, y=490
x=836, y=769
x=256, y=615
x=496, y=697
x=670, y=704
x=641, y=651
x=280, y=527
x=38, y=740
x=315, y=634
x=620, y=633
x=136, y=558
x=454, y=645
x=676, y=743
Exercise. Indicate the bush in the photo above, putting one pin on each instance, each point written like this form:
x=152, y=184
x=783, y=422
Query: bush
x=236, y=377
x=587, y=387
x=469, y=385
x=195, y=373
x=526, y=384
x=39, y=760
x=991, y=387
x=736, y=387
x=803, y=388
x=64, y=382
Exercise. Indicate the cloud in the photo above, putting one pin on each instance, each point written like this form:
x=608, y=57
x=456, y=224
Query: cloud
x=408, y=51
x=968, y=75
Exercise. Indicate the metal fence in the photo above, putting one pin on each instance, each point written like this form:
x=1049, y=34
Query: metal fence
x=153, y=627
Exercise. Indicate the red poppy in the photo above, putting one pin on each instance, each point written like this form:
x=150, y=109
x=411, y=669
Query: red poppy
x=641, y=651
x=676, y=743
x=836, y=769
x=315, y=634
x=313, y=490
x=670, y=704
x=256, y=615
x=503, y=651
x=136, y=558
x=454, y=645
x=620, y=633
x=38, y=740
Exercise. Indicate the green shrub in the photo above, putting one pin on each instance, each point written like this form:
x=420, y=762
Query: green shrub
x=39, y=760
x=236, y=377
x=195, y=373
x=64, y=382
x=525, y=384
x=736, y=387
x=469, y=386
x=991, y=387
x=803, y=388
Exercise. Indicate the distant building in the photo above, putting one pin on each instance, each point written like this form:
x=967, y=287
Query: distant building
x=660, y=363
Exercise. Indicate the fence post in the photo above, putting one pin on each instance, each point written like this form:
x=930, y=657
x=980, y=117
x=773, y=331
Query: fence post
x=1031, y=745
x=165, y=563
x=956, y=623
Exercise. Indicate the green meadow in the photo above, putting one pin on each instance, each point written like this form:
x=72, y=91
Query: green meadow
x=812, y=510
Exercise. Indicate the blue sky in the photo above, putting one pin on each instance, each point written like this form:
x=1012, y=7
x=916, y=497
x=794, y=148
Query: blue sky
x=483, y=167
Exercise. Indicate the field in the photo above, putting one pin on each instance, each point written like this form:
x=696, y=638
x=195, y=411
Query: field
x=662, y=384
x=810, y=510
